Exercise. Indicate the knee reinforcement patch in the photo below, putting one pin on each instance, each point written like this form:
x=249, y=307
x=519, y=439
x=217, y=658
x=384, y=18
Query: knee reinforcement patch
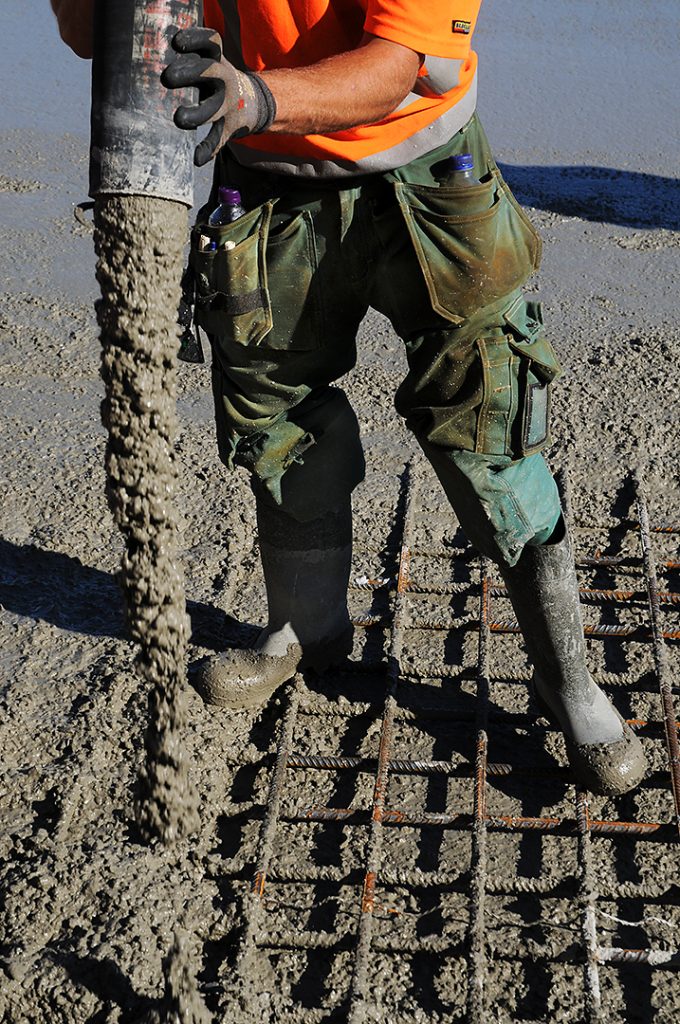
x=501, y=505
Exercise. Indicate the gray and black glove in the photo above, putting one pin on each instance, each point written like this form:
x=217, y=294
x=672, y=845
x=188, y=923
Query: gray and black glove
x=237, y=103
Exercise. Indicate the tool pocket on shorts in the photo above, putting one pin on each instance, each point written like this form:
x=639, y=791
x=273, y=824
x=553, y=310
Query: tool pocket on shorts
x=294, y=293
x=232, y=300
x=474, y=243
x=518, y=370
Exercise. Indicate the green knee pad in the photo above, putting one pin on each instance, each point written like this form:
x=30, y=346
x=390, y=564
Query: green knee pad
x=309, y=462
x=501, y=505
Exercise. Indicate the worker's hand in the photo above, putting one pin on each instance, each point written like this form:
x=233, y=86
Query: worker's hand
x=236, y=103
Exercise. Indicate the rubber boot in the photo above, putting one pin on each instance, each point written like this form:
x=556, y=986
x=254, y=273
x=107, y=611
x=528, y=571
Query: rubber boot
x=604, y=753
x=306, y=569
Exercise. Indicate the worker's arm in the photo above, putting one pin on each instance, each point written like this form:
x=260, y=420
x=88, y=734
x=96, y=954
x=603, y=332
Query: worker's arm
x=358, y=87
x=74, y=18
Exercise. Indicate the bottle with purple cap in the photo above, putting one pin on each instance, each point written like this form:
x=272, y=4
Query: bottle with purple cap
x=229, y=209
x=461, y=171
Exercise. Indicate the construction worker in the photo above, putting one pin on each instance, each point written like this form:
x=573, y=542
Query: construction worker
x=336, y=122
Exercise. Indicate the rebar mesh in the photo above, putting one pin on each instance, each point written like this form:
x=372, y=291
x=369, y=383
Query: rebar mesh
x=476, y=883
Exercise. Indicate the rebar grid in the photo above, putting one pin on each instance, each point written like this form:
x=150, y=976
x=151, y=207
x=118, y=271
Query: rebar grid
x=660, y=653
x=638, y=631
x=253, y=906
x=359, y=986
x=476, y=977
x=587, y=889
x=659, y=831
x=588, y=594
x=594, y=953
x=475, y=881
x=588, y=900
x=456, y=880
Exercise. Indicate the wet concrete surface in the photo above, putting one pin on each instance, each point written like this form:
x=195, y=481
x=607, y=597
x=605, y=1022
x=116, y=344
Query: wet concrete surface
x=575, y=102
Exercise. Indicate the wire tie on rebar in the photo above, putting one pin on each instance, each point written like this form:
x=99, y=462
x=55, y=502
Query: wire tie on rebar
x=638, y=924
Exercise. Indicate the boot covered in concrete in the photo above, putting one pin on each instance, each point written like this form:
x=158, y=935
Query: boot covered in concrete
x=306, y=570
x=604, y=753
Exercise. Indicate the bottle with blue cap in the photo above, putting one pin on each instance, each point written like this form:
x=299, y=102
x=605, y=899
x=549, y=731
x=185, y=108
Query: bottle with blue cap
x=460, y=171
x=230, y=207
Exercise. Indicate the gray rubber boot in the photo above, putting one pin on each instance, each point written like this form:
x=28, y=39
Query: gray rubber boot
x=306, y=569
x=604, y=753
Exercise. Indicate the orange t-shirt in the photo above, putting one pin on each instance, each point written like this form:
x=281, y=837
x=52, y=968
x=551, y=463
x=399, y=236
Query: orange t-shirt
x=295, y=33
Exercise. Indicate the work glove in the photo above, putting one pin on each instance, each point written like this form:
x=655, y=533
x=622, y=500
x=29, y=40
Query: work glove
x=235, y=102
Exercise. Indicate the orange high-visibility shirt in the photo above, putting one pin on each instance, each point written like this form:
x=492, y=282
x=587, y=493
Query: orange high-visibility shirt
x=264, y=34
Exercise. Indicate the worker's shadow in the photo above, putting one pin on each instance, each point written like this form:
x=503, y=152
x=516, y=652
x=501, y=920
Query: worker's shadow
x=50, y=586
x=629, y=198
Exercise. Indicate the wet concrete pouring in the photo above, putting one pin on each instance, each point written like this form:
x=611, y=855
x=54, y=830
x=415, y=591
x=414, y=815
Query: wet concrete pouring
x=139, y=241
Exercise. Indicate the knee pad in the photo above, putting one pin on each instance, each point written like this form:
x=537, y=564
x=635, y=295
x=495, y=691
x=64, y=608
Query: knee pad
x=501, y=505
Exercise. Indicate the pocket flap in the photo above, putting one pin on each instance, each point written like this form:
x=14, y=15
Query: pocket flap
x=528, y=339
x=232, y=297
x=473, y=244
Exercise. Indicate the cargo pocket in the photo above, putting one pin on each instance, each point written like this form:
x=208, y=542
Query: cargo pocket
x=518, y=368
x=474, y=243
x=294, y=292
x=539, y=367
x=232, y=301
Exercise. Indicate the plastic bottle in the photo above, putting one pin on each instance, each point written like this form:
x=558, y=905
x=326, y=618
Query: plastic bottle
x=230, y=208
x=460, y=171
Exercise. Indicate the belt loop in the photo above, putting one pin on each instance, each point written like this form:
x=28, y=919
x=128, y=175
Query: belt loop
x=347, y=199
